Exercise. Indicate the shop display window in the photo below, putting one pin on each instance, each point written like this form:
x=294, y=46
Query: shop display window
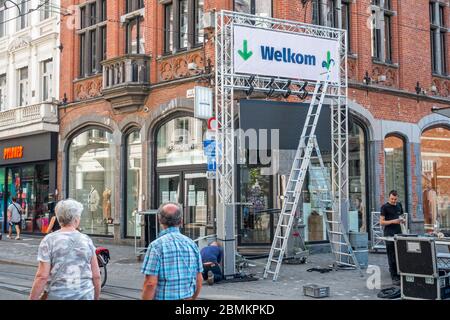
x=91, y=179
x=435, y=154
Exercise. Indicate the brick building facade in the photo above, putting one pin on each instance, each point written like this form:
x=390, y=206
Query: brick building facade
x=127, y=65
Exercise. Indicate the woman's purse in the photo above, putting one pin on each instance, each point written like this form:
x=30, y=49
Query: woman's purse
x=44, y=295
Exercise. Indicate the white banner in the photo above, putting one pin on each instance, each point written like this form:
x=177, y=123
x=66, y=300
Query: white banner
x=285, y=55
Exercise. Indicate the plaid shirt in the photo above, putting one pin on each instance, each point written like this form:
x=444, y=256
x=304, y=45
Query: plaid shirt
x=176, y=260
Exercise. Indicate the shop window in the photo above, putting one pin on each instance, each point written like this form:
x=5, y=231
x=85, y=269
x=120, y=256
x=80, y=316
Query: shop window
x=394, y=168
x=133, y=180
x=180, y=142
x=357, y=167
x=435, y=154
x=91, y=179
x=30, y=185
x=182, y=25
x=256, y=219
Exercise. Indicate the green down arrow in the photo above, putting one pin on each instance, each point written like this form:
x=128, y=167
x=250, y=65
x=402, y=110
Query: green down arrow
x=245, y=54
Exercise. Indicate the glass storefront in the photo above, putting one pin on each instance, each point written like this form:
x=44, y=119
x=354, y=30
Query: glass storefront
x=394, y=168
x=133, y=181
x=30, y=185
x=357, y=179
x=91, y=179
x=435, y=154
x=181, y=174
x=255, y=220
x=257, y=217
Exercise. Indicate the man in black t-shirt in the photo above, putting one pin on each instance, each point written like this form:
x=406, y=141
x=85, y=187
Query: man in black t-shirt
x=391, y=221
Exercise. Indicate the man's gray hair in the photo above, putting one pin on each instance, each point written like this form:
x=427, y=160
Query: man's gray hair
x=67, y=211
x=170, y=219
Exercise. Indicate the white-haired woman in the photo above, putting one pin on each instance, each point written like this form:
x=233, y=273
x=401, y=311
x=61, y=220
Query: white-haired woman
x=68, y=267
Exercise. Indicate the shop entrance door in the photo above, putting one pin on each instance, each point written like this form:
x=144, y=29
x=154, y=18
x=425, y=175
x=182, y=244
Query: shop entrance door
x=192, y=190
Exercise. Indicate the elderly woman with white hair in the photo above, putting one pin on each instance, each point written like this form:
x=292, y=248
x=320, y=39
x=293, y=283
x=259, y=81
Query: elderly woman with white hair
x=68, y=267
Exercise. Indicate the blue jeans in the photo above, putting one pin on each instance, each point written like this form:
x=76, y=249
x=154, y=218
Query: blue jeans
x=215, y=270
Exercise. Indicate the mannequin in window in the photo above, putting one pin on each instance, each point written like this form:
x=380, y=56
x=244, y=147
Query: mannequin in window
x=93, y=201
x=107, y=206
x=429, y=202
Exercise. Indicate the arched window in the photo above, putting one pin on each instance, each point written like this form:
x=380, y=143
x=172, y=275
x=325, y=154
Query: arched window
x=435, y=154
x=91, y=179
x=394, y=168
x=357, y=167
x=133, y=181
x=180, y=142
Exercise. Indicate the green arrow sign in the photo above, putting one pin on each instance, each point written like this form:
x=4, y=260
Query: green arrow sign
x=245, y=54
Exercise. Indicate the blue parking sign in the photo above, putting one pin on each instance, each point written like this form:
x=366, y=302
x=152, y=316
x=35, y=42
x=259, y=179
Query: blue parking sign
x=211, y=164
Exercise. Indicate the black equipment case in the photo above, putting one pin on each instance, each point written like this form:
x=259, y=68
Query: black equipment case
x=417, y=264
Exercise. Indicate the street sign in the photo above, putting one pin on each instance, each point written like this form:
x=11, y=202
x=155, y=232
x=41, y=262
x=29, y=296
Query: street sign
x=282, y=54
x=203, y=102
x=211, y=164
x=210, y=175
x=210, y=135
x=190, y=93
x=209, y=147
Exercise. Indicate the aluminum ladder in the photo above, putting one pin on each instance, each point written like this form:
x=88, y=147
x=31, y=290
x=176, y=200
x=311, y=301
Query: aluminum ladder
x=297, y=177
x=340, y=245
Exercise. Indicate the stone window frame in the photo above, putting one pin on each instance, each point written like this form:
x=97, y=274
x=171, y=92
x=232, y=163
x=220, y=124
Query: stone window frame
x=438, y=41
x=322, y=10
x=89, y=64
x=172, y=34
x=381, y=49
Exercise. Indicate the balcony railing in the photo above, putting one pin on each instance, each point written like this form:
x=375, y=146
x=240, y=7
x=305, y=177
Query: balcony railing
x=23, y=118
x=126, y=70
x=126, y=81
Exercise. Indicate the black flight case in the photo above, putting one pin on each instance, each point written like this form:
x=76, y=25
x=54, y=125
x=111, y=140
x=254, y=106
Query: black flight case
x=423, y=264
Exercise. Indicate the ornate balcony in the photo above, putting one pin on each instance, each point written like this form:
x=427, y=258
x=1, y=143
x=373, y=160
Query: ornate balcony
x=126, y=81
x=31, y=119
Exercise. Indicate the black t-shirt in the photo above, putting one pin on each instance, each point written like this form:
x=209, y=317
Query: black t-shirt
x=391, y=212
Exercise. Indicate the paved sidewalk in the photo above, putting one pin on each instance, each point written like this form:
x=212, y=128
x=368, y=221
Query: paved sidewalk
x=124, y=271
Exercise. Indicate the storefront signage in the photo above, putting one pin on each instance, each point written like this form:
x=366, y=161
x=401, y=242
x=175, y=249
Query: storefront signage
x=281, y=54
x=13, y=153
x=203, y=102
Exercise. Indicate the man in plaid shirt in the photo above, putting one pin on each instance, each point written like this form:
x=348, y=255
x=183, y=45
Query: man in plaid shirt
x=173, y=265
